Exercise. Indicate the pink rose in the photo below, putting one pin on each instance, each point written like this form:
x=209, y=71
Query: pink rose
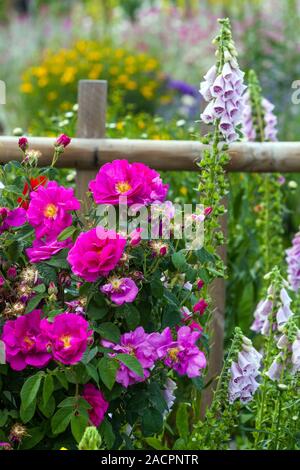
x=68, y=337
x=25, y=342
x=98, y=403
x=96, y=253
x=139, y=183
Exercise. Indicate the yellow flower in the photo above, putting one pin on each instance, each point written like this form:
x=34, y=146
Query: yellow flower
x=147, y=92
x=52, y=95
x=63, y=448
x=141, y=124
x=81, y=46
x=94, y=55
x=183, y=190
x=131, y=85
x=95, y=72
x=39, y=72
x=130, y=70
x=119, y=53
x=165, y=99
x=130, y=60
x=156, y=137
x=42, y=82
x=123, y=79
x=120, y=126
x=114, y=70
x=150, y=65
x=26, y=88
x=68, y=75
x=66, y=105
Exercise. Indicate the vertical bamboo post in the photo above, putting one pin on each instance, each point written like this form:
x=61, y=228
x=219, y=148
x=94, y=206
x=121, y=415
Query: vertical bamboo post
x=92, y=100
x=218, y=295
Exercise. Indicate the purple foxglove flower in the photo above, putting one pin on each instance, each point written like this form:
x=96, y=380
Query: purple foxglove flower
x=205, y=91
x=232, y=109
x=261, y=314
x=229, y=92
x=218, y=86
x=219, y=106
x=208, y=114
x=210, y=76
x=120, y=290
x=227, y=71
x=243, y=384
x=293, y=262
x=225, y=124
x=168, y=393
x=274, y=373
x=296, y=354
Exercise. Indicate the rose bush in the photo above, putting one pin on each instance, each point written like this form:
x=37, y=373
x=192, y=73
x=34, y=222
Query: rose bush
x=93, y=329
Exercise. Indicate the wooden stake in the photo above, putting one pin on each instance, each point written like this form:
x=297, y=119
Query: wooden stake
x=92, y=99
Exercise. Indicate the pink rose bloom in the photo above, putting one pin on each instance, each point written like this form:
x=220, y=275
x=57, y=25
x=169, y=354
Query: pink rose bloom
x=43, y=250
x=136, y=236
x=63, y=140
x=200, y=306
x=49, y=209
x=23, y=143
x=138, y=344
x=120, y=290
x=96, y=253
x=12, y=272
x=98, y=403
x=139, y=183
x=11, y=218
x=68, y=336
x=25, y=343
x=181, y=354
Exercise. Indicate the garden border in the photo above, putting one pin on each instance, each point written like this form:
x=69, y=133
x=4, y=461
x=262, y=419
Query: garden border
x=90, y=150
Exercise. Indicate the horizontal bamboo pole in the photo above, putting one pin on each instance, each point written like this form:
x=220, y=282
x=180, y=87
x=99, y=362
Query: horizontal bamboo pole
x=87, y=154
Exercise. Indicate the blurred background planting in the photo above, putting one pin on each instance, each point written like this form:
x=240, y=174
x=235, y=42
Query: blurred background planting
x=153, y=54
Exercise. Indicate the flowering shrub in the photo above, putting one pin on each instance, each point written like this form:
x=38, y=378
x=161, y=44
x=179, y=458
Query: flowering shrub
x=133, y=77
x=92, y=322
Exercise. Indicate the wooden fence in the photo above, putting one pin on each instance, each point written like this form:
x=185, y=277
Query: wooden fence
x=89, y=150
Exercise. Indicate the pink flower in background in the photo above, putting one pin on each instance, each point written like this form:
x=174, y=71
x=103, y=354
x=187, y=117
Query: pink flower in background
x=68, y=336
x=181, y=354
x=63, y=140
x=120, y=290
x=139, y=344
x=2, y=281
x=98, y=403
x=139, y=183
x=293, y=262
x=270, y=121
x=11, y=218
x=49, y=209
x=96, y=253
x=25, y=342
x=43, y=250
